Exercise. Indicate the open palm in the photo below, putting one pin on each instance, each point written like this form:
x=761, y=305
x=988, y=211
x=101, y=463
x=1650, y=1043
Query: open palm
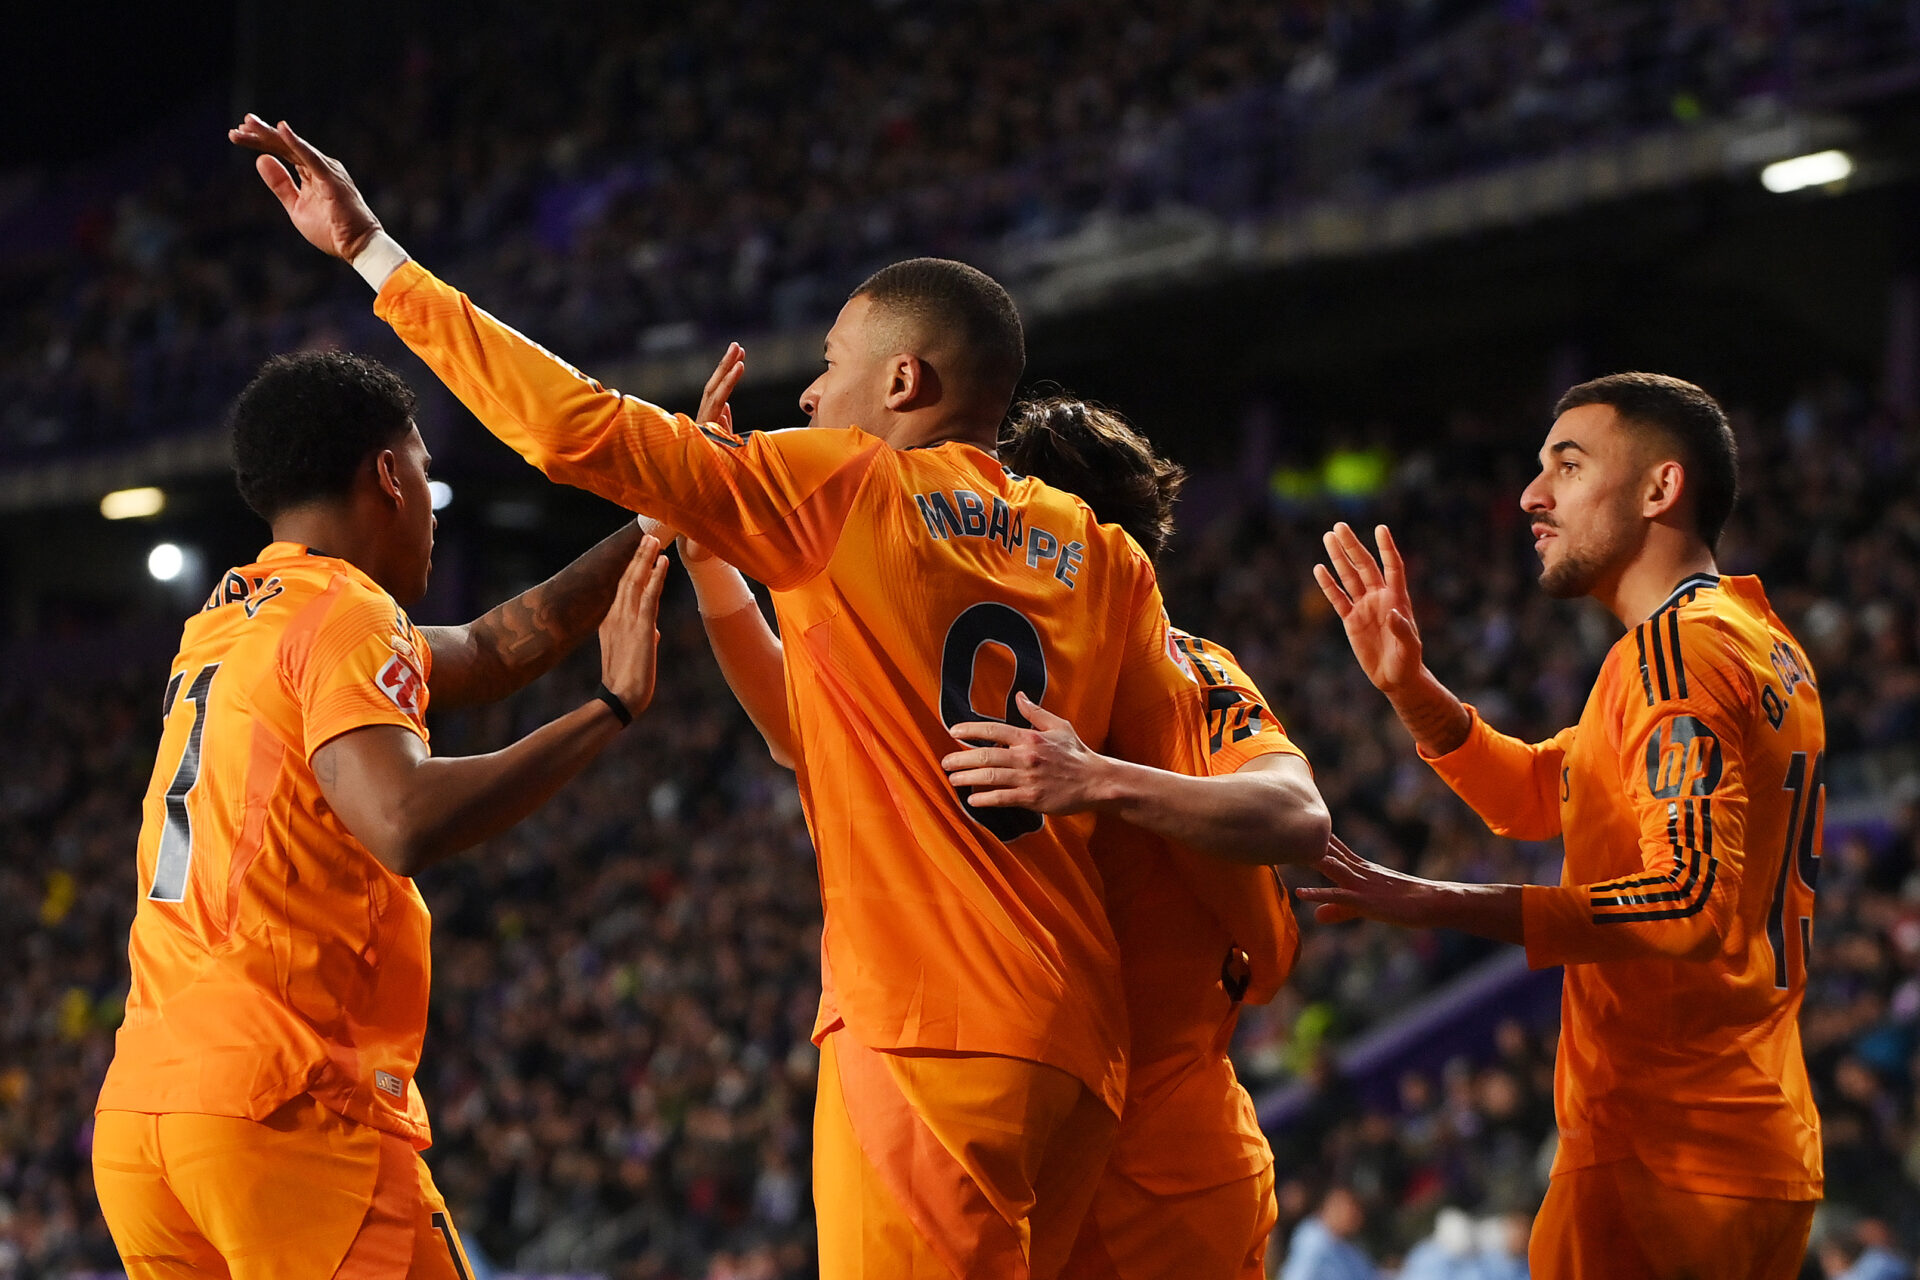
x=324, y=204
x=1370, y=596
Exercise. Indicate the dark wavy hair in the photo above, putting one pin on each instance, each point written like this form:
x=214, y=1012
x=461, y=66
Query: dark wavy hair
x=306, y=423
x=1096, y=454
x=1685, y=419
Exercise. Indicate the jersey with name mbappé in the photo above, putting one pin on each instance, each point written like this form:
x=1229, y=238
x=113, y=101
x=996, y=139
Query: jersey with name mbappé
x=915, y=589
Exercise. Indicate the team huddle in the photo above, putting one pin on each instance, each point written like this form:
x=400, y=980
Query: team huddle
x=1047, y=820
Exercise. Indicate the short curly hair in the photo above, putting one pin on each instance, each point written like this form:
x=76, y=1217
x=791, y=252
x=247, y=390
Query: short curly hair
x=1095, y=454
x=306, y=423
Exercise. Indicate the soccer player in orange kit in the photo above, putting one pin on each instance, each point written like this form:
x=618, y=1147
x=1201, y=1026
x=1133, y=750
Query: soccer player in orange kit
x=1189, y=1192
x=972, y=1024
x=1690, y=797
x=260, y=1117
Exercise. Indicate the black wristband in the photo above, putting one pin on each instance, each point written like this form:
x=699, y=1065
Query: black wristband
x=614, y=705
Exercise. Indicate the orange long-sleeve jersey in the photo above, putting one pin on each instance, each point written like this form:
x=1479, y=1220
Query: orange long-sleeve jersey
x=1690, y=796
x=272, y=955
x=1198, y=937
x=915, y=589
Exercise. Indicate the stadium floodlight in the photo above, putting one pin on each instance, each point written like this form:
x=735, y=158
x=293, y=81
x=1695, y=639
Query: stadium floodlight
x=1815, y=170
x=132, y=504
x=441, y=491
x=165, y=562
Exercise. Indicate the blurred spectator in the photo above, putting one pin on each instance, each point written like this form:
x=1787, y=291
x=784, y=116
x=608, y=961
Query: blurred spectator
x=1502, y=1245
x=1323, y=1248
x=1450, y=1253
x=1462, y=1249
x=1864, y=1253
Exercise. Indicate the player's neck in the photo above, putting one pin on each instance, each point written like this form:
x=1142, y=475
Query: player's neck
x=1665, y=560
x=916, y=435
x=333, y=531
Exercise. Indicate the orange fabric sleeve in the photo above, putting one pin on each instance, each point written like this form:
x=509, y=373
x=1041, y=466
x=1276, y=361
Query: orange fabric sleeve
x=770, y=503
x=1272, y=939
x=350, y=662
x=1247, y=711
x=1514, y=786
x=1240, y=724
x=1683, y=771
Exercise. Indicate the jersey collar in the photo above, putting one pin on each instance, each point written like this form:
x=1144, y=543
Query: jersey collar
x=300, y=551
x=1692, y=582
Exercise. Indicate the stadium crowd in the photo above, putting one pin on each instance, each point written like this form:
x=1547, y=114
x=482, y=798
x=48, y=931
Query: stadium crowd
x=618, y=1066
x=722, y=169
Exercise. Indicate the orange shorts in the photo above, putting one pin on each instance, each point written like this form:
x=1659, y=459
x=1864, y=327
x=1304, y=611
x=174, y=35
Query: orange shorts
x=938, y=1164
x=1132, y=1233
x=305, y=1193
x=1619, y=1222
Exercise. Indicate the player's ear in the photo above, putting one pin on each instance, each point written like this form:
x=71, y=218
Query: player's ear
x=1666, y=483
x=386, y=473
x=912, y=383
x=903, y=380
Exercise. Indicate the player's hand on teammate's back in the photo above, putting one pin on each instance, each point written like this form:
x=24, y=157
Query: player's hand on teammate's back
x=1046, y=768
x=719, y=389
x=325, y=206
x=1362, y=889
x=1371, y=599
x=630, y=633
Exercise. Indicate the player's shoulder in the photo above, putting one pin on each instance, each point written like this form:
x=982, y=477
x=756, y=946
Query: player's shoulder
x=1702, y=642
x=1070, y=513
x=1721, y=616
x=1214, y=660
x=309, y=597
x=266, y=591
x=800, y=442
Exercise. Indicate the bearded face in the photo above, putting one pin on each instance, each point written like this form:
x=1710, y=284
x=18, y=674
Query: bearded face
x=1584, y=504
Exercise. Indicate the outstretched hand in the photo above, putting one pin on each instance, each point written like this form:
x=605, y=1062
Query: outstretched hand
x=719, y=389
x=1371, y=599
x=630, y=633
x=323, y=203
x=1363, y=890
x=1046, y=768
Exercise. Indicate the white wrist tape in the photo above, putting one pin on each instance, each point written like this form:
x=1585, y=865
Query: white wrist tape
x=720, y=589
x=380, y=259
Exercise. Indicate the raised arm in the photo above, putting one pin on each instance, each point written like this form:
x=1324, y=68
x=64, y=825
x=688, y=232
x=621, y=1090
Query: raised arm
x=1682, y=770
x=1514, y=786
x=515, y=643
x=1372, y=602
x=412, y=809
x=748, y=650
x=771, y=503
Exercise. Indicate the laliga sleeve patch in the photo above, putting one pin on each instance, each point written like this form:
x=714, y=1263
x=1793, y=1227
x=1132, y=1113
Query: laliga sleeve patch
x=402, y=685
x=1177, y=654
x=1683, y=759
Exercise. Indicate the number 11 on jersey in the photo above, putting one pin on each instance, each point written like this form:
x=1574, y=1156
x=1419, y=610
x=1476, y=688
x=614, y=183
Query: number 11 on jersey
x=176, y=836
